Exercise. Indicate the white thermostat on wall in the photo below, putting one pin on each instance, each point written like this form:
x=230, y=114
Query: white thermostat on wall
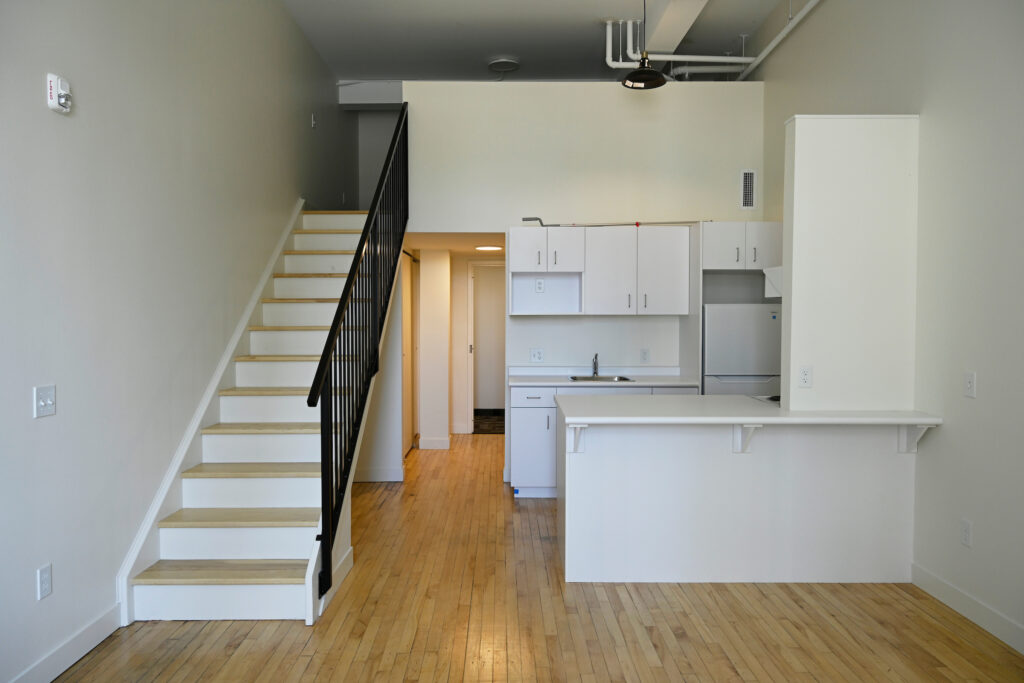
x=58, y=94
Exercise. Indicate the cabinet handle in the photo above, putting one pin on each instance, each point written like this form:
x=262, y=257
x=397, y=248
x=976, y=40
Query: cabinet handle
x=755, y=254
x=645, y=299
x=536, y=398
x=556, y=257
x=629, y=301
x=548, y=418
x=737, y=255
x=538, y=257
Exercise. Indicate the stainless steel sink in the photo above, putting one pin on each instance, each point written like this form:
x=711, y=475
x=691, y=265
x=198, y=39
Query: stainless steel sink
x=599, y=378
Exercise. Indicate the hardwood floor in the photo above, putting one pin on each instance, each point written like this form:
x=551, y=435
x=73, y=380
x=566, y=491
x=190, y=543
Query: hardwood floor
x=454, y=580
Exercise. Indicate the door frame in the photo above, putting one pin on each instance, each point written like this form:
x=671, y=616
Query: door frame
x=470, y=323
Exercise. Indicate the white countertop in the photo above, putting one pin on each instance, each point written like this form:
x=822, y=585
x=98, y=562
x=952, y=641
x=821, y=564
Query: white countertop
x=730, y=410
x=638, y=381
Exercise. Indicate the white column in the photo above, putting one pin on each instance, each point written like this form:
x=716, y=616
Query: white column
x=435, y=333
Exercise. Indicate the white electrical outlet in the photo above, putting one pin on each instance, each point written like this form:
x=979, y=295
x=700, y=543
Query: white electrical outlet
x=44, y=400
x=44, y=581
x=971, y=384
x=966, y=532
x=645, y=355
x=805, y=378
x=536, y=355
x=538, y=285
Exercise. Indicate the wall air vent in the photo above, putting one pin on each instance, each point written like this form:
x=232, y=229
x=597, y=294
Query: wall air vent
x=747, y=190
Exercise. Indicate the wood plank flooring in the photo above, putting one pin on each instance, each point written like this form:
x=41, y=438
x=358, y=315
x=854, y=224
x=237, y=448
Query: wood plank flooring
x=456, y=581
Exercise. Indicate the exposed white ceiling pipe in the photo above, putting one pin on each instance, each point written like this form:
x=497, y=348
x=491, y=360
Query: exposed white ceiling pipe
x=608, y=58
x=633, y=54
x=721, y=69
x=779, y=38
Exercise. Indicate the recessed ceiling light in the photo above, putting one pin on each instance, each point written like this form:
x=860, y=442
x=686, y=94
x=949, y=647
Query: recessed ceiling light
x=488, y=248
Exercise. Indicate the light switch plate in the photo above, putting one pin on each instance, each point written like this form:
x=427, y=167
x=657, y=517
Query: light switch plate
x=971, y=384
x=44, y=400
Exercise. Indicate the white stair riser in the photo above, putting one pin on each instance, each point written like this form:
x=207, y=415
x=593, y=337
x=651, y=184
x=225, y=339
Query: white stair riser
x=220, y=602
x=317, y=263
x=331, y=242
x=245, y=492
x=334, y=221
x=299, y=314
x=269, y=543
x=289, y=343
x=261, y=447
x=267, y=409
x=275, y=373
x=308, y=287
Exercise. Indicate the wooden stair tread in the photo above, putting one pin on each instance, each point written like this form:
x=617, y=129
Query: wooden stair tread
x=223, y=572
x=263, y=428
x=310, y=274
x=289, y=328
x=343, y=212
x=302, y=301
x=265, y=391
x=211, y=518
x=277, y=358
x=252, y=470
x=327, y=232
x=318, y=252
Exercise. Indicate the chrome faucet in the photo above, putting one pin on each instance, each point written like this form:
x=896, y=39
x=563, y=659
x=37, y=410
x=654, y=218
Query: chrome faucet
x=595, y=365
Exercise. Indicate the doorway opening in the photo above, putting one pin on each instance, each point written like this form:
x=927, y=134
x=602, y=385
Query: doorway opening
x=486, y=368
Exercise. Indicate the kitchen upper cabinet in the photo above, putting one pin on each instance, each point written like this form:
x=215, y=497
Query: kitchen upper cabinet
x=752, y=245
x=566, y=250
x=764, y=245
x=609, y=280
x=663, y=270
x=527, y=249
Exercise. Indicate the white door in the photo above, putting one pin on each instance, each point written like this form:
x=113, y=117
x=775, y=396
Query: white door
x=565, y=250
x=533, y=447
x=488, y=353
x=663, y=269
x=527, y=249
x=723, y=245
x=764, y=245
x=609, y=279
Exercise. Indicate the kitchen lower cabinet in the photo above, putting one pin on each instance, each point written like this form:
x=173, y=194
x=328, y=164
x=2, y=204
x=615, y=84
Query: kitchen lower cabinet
x=533, y=448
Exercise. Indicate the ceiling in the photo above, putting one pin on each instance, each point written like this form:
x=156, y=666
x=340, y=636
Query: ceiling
x=456, y=242
x=553, y=39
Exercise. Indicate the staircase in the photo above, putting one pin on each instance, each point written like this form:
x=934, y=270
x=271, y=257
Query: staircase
x=241, y=545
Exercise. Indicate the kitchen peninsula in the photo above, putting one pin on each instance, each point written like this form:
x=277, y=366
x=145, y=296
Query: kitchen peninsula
x=733, y=488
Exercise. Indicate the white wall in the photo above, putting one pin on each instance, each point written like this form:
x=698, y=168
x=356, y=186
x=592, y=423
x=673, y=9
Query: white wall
x=486, y=154
x=573, y=340
x=133, y=231
x=434, y=325
x=883, y=57
x=850, y=262
x=375, y=131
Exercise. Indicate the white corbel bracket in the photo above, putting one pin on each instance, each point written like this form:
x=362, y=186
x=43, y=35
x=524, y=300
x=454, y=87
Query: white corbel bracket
x=575, y=434
x=909, y=436
x=741, y=436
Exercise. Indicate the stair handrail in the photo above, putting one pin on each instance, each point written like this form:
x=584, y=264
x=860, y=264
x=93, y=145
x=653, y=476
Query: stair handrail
x=350, y=357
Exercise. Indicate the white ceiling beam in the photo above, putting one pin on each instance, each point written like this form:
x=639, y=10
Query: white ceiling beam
x=666, y=31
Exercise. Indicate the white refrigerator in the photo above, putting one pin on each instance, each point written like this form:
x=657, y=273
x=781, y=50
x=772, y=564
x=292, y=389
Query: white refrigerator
x=742, y=349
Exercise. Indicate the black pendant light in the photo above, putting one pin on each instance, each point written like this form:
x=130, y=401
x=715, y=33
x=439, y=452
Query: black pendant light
x=644, y=78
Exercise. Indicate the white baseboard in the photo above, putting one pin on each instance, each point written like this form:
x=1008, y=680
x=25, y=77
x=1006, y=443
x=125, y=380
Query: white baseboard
x=379, y=474
x=435, y=443
x=124, y=574
x=342, y=566
x=985, y=616
x=55, y=662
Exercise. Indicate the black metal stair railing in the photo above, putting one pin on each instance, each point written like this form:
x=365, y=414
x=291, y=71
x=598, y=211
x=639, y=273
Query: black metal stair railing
x=350, y=357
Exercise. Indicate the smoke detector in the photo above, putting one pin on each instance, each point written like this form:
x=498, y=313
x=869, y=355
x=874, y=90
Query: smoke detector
x=503, y=65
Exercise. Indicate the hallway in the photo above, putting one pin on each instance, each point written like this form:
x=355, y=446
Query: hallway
x=453, y=580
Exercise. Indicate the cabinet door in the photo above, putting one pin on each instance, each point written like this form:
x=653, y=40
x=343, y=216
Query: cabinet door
x=723, y=245
x=565, y=250
x=764, y=245
x=609, y=278
x=533, y=447
x=527, y=249
x=663, y=269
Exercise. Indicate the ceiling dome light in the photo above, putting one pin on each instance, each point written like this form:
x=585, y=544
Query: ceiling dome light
x=488, y=248
x=644, y=78
x=503, y=65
